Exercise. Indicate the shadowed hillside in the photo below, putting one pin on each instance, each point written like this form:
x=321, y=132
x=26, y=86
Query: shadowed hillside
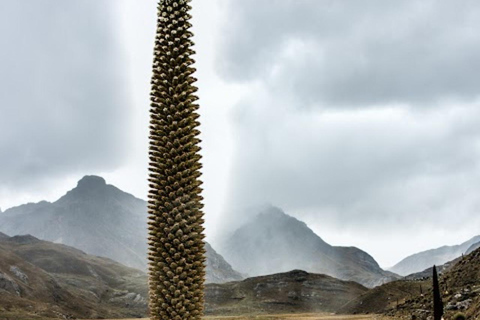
x=295, y=291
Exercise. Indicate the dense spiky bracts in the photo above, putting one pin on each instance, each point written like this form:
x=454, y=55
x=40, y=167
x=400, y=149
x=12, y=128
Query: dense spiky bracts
x=176, y=250
x=437, y=297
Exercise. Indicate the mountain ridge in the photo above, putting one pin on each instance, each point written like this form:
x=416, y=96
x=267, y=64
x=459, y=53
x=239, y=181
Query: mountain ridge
x=102, y=220
x=422, y=260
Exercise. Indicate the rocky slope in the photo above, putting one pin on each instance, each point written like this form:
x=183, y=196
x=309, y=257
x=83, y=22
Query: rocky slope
x=40, y=278
x=101, y=220
x=218, y=270
x=275, y=242
x=460, y=285
x=291, y=292
x=425, y=259
x=386, y=297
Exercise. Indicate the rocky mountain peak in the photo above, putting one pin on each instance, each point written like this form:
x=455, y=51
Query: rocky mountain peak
x=276, y=218
x=91, y=182
x=91, y=187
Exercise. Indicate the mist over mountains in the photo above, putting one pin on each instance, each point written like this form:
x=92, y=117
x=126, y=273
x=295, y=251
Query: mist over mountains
x=276, y=242
x=102, y=220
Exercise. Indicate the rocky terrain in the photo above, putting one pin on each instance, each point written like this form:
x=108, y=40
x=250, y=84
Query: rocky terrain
x=460, y=285
x=291, y=292
x=44, y=279
x=101, y=220
x=275, y=242
x=439, y=256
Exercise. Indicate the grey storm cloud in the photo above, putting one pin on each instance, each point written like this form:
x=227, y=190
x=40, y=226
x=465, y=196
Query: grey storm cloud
x=355, y=53
x=359, y=113
x=63, y=103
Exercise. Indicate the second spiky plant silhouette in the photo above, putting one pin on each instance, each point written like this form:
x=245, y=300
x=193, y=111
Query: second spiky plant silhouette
x=437, y=297
x=176, y=247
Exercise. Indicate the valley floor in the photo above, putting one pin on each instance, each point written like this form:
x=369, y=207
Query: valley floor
x=304, y=316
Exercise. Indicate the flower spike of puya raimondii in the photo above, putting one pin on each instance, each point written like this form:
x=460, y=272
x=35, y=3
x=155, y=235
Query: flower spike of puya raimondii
x=176, y=247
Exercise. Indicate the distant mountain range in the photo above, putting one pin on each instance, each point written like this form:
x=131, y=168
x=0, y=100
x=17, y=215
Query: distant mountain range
x=275, y=242
x=101, y=220
x=439, y=256
x=43, y=278
x=40, y=278
x=473, y=247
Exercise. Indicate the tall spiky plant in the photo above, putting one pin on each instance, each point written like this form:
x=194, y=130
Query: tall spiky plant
x=437, y=297
x=176, y=247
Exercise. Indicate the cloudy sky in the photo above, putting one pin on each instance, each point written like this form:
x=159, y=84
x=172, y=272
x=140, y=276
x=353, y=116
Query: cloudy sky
x=361, y=118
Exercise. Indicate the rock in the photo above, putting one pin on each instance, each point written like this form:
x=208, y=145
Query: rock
x=9, y=285
x=19, y=274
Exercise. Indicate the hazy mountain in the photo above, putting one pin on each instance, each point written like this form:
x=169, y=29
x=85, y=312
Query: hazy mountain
x=426, y=259
x=427, y=273
x=40, y=278
x=275, y=242
x=102, y=220
x=472, y=248
x=291, y=292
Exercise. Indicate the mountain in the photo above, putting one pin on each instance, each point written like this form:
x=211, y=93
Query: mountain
x=101, y=220
x=425, y=259
x=275, y=242
x=44, y=279
x=291, y=292
x=94, y=217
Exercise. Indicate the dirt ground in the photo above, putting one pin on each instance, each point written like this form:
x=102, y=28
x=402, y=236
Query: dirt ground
x=304, y=316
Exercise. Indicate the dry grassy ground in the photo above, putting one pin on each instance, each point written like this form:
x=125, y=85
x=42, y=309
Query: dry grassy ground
x=304, y=316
